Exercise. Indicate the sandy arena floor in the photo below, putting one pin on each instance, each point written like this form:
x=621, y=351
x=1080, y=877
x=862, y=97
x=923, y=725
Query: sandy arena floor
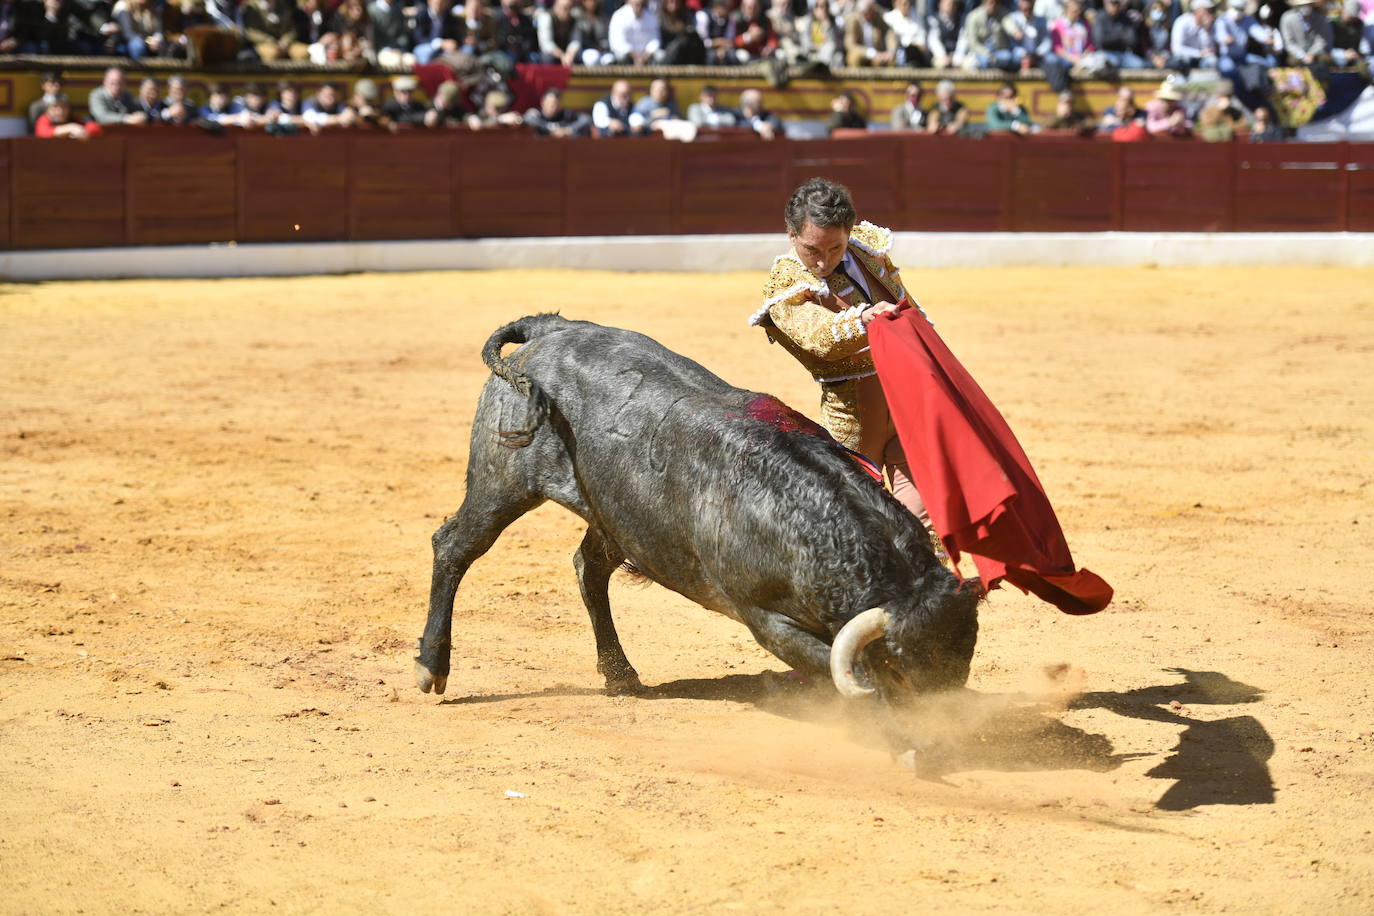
x=217, y=502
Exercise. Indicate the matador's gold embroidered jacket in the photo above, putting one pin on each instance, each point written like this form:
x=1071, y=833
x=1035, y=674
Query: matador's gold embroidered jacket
x=832, y=345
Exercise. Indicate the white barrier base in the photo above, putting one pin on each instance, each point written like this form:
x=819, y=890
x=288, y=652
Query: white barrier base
x=707, y=253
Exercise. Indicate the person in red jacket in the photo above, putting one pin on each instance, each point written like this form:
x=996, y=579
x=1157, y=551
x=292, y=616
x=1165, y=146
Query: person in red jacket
x=57, y=122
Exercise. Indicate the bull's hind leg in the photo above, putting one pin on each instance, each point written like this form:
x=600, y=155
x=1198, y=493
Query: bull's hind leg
x=457, y=545
x=595, y=560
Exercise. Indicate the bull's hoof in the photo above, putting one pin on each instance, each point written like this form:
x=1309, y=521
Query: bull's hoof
x=429, y=682
x=930, y=762
x=624, y=685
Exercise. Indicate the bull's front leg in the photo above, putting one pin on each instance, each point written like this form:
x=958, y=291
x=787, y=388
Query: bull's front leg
x=779, y=634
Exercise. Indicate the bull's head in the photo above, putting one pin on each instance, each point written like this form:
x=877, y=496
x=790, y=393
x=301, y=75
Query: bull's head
x=906, y=654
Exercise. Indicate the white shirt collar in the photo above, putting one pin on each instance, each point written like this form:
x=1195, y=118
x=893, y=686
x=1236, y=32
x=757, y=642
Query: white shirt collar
x=851, y=267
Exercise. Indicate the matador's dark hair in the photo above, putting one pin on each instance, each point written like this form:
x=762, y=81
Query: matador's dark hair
x=822, y=203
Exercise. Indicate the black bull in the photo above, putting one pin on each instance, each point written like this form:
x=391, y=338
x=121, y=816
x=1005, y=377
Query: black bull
x=723, y=495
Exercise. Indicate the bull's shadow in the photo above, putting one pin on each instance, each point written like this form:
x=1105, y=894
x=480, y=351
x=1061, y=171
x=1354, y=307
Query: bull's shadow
x=1216, y=762
x=975, y=731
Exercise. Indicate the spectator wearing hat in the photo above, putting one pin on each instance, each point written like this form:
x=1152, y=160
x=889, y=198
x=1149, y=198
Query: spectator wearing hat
x=551, y=119
x=706, y=111
x=1006, y=114
x=443, y=110
x=495, y=112
x=1028, y=33
x=909, y=115
x=1164, y=114
x=364, y=102
x=1307, y=37
x=111, y=103
x=1116, y=32
x=949, y=117
x=402, y=108
x=1192, y=43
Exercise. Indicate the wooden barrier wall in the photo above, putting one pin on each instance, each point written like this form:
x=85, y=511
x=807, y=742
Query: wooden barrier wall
x=193, y=189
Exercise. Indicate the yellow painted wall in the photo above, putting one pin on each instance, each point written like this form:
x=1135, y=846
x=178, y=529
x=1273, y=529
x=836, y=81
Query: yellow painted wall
x=800, y=99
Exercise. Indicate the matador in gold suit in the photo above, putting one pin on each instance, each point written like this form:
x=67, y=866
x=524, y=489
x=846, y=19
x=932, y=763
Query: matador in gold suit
x=816, y=305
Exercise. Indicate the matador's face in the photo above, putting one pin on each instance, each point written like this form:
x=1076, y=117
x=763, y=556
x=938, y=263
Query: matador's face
x=821, y=250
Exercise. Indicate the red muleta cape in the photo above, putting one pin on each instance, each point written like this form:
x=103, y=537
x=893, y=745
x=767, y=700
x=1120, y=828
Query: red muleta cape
x=982, y=494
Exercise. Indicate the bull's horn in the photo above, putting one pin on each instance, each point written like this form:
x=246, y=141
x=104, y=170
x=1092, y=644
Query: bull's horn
x=849, y=642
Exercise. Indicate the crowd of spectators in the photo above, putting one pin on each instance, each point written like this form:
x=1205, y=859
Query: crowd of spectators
x=1169, y=114
x=1063, y=38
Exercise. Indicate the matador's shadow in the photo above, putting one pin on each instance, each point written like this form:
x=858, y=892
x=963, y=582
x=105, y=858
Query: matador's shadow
x=1216, y=762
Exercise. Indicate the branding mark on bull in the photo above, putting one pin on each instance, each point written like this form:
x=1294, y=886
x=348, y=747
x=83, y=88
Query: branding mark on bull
x=623, y=425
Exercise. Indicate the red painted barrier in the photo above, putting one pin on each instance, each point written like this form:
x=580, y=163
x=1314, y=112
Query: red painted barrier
x=6, y=211
x=1359, y=191
x=186, y=187
x=179, y=190
x=67, y=194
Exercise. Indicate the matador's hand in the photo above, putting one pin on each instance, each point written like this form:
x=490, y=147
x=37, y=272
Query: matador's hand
x=882, y=308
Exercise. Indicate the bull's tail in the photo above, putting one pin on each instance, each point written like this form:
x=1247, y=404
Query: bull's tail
x=522, y=331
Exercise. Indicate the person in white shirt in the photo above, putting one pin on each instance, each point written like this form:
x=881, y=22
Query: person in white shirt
x=1191, y=42
x=1028, y=33
x=910, y=29
x=633, y=33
